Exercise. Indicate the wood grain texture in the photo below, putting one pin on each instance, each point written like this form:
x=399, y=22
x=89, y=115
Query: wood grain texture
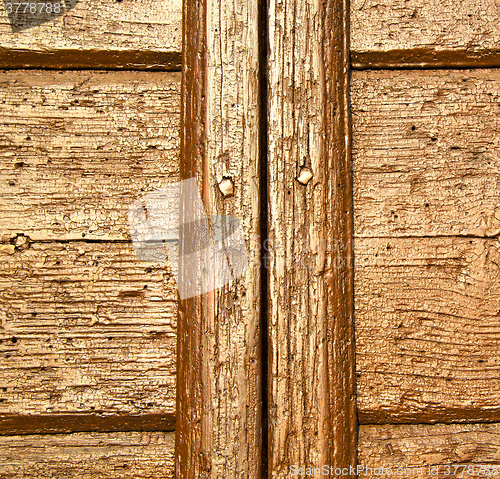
x=419, y=447
x=85, y=327
x=219, y=339
x=88, y=456
x=130, y=34
x=77, y=148
x=426, y=156
x=427, y=329
x=432, y=33
x=311, y=360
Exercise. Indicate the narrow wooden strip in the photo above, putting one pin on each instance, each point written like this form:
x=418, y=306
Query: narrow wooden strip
x=421, y=58
x=85, y=327
x=219, y=339
x=426, y=156
x=141, y=455
x=424, y=451
x=11, y=59
x=139, y=34
x=16, y=424
x=78, y=148
x=312, y=419
x=469, y=26
x=427, y=329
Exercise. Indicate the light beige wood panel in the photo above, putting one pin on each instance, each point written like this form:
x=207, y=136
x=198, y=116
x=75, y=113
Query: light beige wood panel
x=468, y=26
x=426, y=153
x=77, y=148
x=142, y=455
x=427, y=329
x=469, y=450
x=133, y=34
x=85, y=327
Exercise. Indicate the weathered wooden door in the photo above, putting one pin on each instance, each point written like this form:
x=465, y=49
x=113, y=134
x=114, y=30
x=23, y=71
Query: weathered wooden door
x=357, y=147
x=424, y=95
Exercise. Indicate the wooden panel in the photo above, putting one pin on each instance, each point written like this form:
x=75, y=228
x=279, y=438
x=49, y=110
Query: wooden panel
x=427, y=329
x=136, y=34
x=77, y=148
x=470, y=450
x=88, y=456
x=426, y=168
x=219, y=400
x=433, y=33
x=85, y=327
x=426, y=153
x=311, y=359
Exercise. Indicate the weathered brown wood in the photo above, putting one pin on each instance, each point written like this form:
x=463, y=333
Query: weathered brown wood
x=427, y=332
x=433, y=33
x=136, y=35
x=88, y=455
x=219, y=358
x=311, y=358
x=425, y=153
x=424, y=58
x=85, y=327
x=77, y=148
x=420, y=448
x=15, y=424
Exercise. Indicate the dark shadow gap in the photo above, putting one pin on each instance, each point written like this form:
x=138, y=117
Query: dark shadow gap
x=263, y=56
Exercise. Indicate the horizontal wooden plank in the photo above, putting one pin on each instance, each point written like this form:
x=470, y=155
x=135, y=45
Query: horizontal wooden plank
x=468, y=450
x=426, y=153
x=424, y=59
x=15, y=424
x=88, y=456
x=85, y=326
x=426, y=31
x=77, y=148
x=427, y=329
x=138, y=34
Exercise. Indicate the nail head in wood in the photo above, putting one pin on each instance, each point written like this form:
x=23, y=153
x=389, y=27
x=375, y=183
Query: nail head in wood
x=305, y=176
x=226, y=187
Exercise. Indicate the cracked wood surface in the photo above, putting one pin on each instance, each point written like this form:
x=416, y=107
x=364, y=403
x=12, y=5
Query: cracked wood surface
x=77, y=148
x=142, y=455
x=421, y=446
x=425, y=157
x=219, y=400
x=85, y=326
x=427, y=334
x=434, y=32
x=130, y=34
x=425, y=173
x=312, y=419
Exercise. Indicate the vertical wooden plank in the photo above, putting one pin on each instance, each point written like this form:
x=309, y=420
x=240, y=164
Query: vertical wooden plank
x=311, y=352
x=219, y=339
